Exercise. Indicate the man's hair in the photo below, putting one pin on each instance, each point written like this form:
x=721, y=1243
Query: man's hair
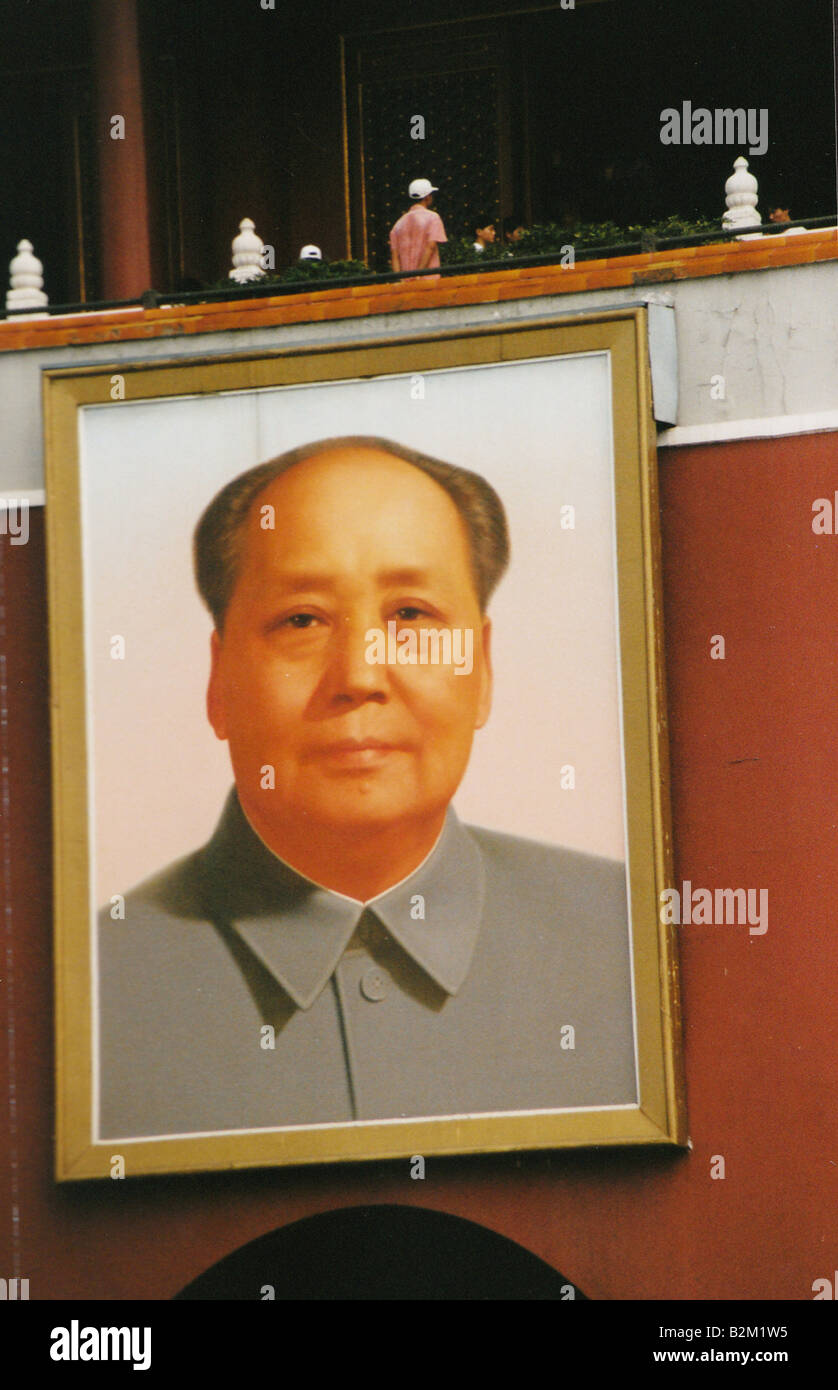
x=219, y=535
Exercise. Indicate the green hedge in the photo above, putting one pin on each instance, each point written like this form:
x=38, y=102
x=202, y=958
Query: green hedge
x=542, y=239
x=546, y=237
x=302, y=273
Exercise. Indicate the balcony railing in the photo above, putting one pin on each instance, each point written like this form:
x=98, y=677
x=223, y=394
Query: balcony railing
x=258, y=289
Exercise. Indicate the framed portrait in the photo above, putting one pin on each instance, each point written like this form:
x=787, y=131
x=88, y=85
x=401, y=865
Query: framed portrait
x=360, y=753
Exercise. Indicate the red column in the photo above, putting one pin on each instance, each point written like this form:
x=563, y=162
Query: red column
x=123, y=188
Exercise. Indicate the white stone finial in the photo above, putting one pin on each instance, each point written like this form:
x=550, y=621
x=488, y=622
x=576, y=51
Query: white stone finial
x=26, y=279
x=741, y=198
x=247, y=254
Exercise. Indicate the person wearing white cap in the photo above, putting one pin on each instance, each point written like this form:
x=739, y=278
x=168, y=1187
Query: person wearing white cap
x=416, y=237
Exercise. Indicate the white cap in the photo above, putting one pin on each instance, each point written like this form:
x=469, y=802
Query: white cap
x=420, y=188
x=311, y=253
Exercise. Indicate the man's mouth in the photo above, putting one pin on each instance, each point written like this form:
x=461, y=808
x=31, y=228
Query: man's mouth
x=358, y=752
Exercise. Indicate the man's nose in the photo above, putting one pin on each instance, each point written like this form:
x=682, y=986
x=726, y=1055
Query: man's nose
x=349, y=675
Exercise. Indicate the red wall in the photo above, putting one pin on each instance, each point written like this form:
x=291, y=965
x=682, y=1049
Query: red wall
x=755, y=805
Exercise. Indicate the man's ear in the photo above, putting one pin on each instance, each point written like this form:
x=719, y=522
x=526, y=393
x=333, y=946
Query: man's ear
x=215, y=697
x=484, y=704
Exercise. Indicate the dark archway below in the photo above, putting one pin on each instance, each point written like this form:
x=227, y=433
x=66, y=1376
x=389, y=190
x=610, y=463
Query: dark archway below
x=381, y=1252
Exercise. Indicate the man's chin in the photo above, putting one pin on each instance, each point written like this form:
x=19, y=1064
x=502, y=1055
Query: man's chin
x=351, y=815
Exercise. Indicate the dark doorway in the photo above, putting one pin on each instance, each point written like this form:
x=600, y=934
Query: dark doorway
x=431, y=104
x=381, y=1252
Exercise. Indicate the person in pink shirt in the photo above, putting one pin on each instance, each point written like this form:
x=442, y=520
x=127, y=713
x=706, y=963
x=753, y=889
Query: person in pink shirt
x=414, y=240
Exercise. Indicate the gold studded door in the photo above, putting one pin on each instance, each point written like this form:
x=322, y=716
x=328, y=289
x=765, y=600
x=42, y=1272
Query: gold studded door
x=427, y=106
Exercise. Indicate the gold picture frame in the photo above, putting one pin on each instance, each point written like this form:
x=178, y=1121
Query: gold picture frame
x=619, y=340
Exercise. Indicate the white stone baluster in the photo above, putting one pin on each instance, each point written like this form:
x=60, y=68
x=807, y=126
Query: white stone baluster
x=26, y=279
x=741, y=199
x=247, y=254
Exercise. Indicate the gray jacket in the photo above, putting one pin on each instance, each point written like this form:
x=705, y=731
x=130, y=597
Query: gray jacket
x=236, y=994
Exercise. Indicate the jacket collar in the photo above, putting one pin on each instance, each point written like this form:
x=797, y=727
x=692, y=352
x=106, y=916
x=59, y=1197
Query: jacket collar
x=299, y=930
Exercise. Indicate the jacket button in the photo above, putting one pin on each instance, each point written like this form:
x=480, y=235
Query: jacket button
x=373, y=984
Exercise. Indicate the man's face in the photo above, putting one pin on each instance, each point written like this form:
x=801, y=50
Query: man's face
x=361, y=540
x=486, y=234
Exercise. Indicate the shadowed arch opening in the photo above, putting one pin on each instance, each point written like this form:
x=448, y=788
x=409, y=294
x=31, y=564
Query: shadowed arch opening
x=381, y=1252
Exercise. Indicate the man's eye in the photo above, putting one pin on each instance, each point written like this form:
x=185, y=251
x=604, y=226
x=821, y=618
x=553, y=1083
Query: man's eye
x=301, y=621
x=409, y=614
